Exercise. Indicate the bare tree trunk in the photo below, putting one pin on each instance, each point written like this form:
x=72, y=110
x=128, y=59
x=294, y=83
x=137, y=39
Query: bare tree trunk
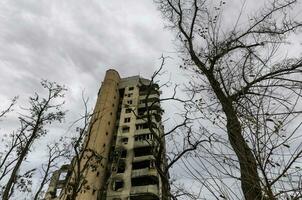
x=250, y=181
x=14, y=174
x=252, y=87
x=32, y=127
x=54, y=153
x=44, y=181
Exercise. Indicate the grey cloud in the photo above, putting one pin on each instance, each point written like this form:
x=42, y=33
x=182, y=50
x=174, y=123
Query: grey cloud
x=74, y=42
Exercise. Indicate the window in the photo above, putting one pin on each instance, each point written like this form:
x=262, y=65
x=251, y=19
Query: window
x=144, y=180
x=124, y=140
x=58, y=191
x=141, y=164
x=129, y=95
x=127, y=120
x=141, y=126
x=131, y=88
x=129, y=102
x=128, y=110
x=143, y=101
x=121, y=92
x=147, y=89
x=121, y=167
x=141, y=111
x=63, y=176
x=117, y=184
x=125, y=129
x=123, y=153
x=143, y=151
x=142, y=137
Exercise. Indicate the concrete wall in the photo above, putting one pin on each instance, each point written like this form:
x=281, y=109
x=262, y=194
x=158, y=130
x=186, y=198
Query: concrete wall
x=102, y=131
x=126, y=176
x=107, y=130
x=98, y=139
x=129, y=190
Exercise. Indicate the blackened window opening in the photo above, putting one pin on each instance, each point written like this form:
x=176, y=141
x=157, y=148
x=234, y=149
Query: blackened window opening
x=118, y=184
x=122, y=92
x=123, y=153
x=142, y=126
x=144, y=180
x=142, y=137
x=141, y=164
x=126, y=129
x=147, y=89
x=121, y=166
x=141, y=111
x=143, y=151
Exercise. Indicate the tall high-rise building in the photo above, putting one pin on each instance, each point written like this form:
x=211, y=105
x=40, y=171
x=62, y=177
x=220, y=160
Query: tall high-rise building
x=130, y=153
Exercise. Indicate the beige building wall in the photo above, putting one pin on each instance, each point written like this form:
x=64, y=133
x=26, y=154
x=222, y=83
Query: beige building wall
x=109, y=139
x=128, y=146
x=102, y=126
x=131, y=87
x=102, y=132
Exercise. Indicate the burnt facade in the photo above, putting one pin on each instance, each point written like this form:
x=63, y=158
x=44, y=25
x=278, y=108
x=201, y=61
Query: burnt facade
x=121, y=135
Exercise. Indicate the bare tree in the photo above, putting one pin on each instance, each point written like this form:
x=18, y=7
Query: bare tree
x=249, y=94
x=82, y=157
x=10, y=142
x=55, y=154
x=8, y=157
x=42, y=111
x=9, y=107
x=180, y=132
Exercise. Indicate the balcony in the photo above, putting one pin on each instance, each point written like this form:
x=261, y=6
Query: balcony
x=155, y=105
x=142, y=131
x=141, y=158
x=144, y=196
x=144, y=143
x=141, y=120
x=148, y=192
x=147, y=131
x=147, y=89
x=144, y=151
x=151, y=96
x=144, y=172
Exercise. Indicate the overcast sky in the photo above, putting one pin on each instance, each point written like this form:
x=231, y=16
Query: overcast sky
x=73, y=42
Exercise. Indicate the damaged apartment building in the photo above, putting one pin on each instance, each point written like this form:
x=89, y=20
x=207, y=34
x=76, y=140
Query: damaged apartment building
x=121, y=135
